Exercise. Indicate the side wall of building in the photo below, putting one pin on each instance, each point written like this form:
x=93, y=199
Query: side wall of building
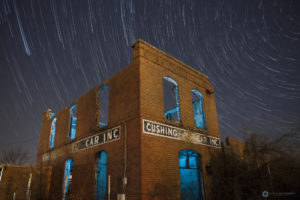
x=160, y=165
x=124, y=113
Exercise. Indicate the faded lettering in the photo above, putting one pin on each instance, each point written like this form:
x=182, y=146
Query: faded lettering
x=158, y=129
x=98, y=139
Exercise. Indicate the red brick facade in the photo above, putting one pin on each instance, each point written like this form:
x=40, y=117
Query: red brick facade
x=23, y=182
x=149, y=161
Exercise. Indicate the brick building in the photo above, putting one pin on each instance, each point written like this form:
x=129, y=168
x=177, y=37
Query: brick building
x=146, y=133
x=23, y=182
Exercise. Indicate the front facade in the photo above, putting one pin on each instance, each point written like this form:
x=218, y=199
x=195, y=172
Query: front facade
x=146, y=133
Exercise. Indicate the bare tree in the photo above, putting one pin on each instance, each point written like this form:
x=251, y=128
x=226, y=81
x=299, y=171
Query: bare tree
x=271, y=165
x=18, y=156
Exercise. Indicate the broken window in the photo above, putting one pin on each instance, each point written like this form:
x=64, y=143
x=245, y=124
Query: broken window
x=190, y=175
x=100, y=175
x=103, y=94
x=171, y=99
x=52, y=134
x=198, y=109
x=1, y=171
x=73, y=120
x=67, y=178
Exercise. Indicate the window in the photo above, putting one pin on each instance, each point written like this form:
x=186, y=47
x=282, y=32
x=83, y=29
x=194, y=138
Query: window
x=100, y=175
x=52, y=115
x=198, y=109
x=103, y=94
x=171, y=99
x=67, y=178
x=1, y=171
x=73, y=120
x=190, y=175
x=52, y=134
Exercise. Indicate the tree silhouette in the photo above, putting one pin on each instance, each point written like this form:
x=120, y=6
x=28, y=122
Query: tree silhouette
x=263, y=165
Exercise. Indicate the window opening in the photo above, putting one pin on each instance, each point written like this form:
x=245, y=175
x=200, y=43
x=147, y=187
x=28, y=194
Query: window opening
x=52, y=115
x=171, y=99
x=190, y=175
x=73, y=120
x=52, y=134
x=100, y=175
x=198, y=109
x=67, y=178
x=1, y=171
x=103, y=94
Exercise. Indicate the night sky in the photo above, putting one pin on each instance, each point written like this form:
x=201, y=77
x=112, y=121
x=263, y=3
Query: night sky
x=54, y=51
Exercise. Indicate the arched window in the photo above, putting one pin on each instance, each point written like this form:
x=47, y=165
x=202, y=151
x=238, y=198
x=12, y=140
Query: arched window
x=67, y=178
x=171, y=99
x=1, y=171
x=100, y=175
x=190, y=175
x=52, y=134
x=73, y=120
x=103, y=94
x=198, y=109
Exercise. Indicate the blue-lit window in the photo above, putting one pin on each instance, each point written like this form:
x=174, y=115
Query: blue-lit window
x=73, y=120
x=198, y=109
x=171, y=99
x=100, y=176
x=103, y=94
x=190, y=175
x=67, y=178
x=52, y=134
x=52, y=115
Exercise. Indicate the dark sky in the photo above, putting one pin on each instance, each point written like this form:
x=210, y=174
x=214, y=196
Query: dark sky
x=54, y=51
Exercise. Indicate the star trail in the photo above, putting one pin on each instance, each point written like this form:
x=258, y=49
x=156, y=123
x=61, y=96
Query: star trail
x=53, y=51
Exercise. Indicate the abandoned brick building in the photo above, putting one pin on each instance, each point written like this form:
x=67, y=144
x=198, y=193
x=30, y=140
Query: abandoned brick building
x=146, y=133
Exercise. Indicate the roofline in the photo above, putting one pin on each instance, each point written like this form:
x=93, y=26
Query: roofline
x=168, y=55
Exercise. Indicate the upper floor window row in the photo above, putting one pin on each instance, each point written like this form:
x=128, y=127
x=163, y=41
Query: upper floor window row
x=72, y=125
x=172, y=104
x=103, y=94
x=171, y=108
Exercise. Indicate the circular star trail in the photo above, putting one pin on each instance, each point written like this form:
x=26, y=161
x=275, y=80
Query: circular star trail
x=53, y=51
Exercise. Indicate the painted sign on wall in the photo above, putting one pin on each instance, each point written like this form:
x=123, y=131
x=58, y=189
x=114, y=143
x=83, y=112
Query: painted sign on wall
x=98, y=139
x=163, y=130
x=155, y=128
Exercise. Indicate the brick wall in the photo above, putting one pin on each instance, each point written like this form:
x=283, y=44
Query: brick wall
x=15, y=179
x=159, y=154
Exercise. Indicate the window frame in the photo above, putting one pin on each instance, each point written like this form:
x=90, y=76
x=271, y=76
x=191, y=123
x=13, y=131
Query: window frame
x=72, y=136
x=52, y=132
x=189, y=153
x=66, y=186
x=176, y=109
x=102, y=88
x=202, y=123
x=1, y=172
x=98, y=157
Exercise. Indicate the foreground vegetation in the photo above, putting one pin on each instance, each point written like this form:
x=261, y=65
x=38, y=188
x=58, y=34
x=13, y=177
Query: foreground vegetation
x=266, y=165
